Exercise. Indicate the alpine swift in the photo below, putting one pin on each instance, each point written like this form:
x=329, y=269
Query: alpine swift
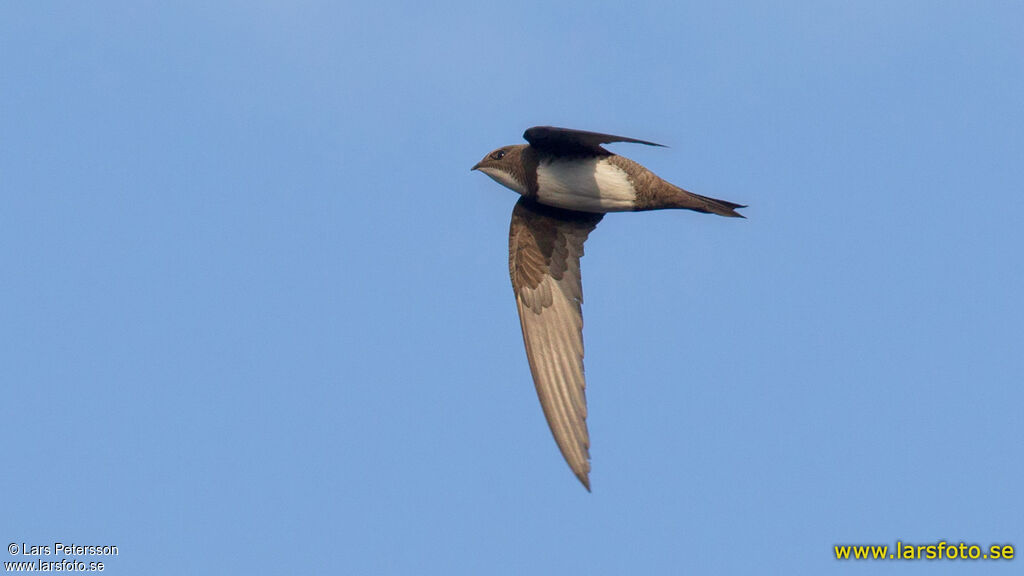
x=567, y=182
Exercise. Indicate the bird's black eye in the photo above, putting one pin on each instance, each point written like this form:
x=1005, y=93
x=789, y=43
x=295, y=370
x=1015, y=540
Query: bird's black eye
x=498, y=155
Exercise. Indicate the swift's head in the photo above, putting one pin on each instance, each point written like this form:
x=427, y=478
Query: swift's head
x=505, y=166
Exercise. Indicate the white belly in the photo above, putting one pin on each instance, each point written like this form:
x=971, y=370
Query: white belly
x=592, y=185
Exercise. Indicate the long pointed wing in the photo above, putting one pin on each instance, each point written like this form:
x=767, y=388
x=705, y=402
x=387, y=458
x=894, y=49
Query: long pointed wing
x=566, y=141
x=545, y=246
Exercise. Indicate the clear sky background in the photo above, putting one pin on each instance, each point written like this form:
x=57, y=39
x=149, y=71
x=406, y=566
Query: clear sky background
x=255, y=314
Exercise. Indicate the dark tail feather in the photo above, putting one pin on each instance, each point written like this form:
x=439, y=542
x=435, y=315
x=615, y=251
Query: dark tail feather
x=715, y=206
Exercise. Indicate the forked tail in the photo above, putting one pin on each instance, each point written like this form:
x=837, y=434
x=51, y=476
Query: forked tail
x=711, y=205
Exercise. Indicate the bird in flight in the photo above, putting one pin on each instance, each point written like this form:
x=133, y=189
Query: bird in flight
x=567, y=182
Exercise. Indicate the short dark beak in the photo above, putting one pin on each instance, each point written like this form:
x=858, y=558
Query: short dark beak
x=475, y=166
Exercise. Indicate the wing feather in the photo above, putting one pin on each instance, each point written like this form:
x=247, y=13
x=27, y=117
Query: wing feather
x=566, y=141
x=545, y=246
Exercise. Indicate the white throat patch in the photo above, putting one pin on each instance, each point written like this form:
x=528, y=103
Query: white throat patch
x=505, y=179
x=592, y=185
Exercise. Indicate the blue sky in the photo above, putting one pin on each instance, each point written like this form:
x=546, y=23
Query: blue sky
x=257, y=317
